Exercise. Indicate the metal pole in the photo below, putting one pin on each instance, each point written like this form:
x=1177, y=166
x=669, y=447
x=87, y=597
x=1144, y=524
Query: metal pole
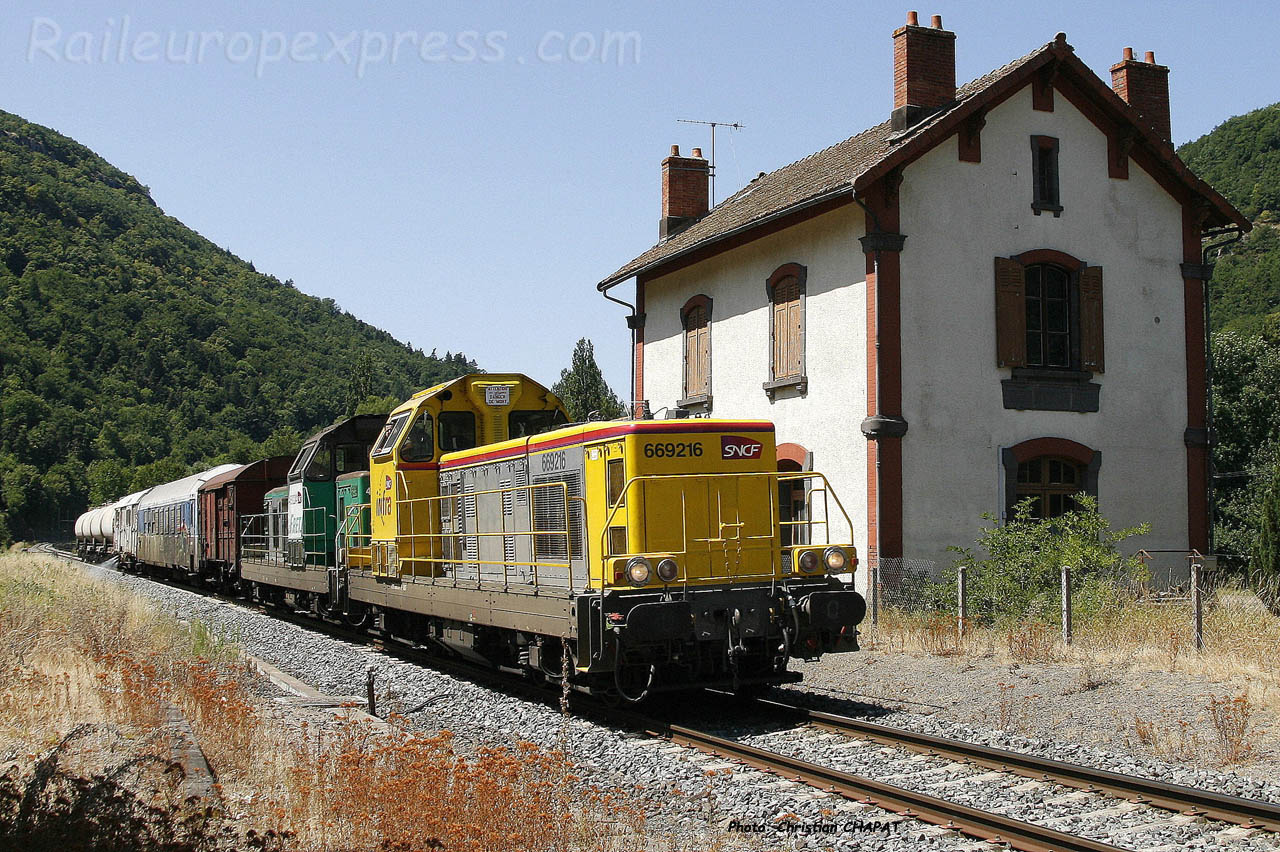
x=373, y=706
x=1197, y=606
x=873, y=590
x=1066, y=605
x=960, y=600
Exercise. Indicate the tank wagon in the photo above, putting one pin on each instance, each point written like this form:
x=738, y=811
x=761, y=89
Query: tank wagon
x=95, y=533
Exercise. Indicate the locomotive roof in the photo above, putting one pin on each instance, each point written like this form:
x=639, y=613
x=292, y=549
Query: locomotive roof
x=581, y=433
x=434, y=390
x=365, y=426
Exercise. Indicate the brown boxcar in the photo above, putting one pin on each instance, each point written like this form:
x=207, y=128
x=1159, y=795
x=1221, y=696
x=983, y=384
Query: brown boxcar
x=225, y=500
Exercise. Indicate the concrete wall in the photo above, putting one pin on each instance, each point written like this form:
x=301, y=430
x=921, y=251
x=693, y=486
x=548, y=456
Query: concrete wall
x=826, y=418
x=957, y=216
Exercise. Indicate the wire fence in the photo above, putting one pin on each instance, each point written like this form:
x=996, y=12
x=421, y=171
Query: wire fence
x=1178, y=597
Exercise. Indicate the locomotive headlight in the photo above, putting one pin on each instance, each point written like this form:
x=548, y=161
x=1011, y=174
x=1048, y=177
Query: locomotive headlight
x=667, y=570
x=809, y=561
x=638, y=570
x=835, y=559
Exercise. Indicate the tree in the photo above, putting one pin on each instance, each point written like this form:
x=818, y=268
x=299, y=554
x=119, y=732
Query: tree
x=583, y=390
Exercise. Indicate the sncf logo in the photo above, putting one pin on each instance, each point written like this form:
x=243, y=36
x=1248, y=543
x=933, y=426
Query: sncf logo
x=734, y=447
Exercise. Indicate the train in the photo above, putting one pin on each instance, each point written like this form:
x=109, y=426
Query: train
x=628, y=557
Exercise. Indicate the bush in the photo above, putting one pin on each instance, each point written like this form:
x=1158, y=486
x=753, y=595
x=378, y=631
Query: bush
x=1020, y=576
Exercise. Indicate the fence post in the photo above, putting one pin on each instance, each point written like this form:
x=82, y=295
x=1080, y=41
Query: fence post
x=960, y=601
x=873, y=589
x=1066, y=605
x=1197, y=606
x=373, y=705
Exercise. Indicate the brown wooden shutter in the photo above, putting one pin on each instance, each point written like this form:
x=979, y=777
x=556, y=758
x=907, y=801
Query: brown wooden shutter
x=1091, y=355
x=1011, y=314
x=787, y=328
x=697, y=353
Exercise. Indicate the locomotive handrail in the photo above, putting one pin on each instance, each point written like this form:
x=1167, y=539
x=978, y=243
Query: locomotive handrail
x=450, y=540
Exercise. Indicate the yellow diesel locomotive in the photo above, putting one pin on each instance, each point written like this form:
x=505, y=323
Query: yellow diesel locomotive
x=630, y=556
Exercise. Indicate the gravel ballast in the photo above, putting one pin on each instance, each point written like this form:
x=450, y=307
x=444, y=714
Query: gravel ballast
x=692, y=800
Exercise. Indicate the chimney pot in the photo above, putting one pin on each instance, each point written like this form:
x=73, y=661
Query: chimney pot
x=1144, y=86
x=684, y=191
x=924, y=70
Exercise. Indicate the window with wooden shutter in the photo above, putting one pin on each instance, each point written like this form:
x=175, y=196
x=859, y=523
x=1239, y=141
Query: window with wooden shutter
x=1091, y=350
x=785, y=289
x=1011, y=316
x=697, y=348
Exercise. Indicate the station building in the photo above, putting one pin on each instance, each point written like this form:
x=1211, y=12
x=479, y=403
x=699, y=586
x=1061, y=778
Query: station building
x=996, y=293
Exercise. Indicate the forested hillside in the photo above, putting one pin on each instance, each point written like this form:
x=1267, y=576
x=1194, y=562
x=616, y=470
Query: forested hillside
x=132, y=349
x=1241, y=159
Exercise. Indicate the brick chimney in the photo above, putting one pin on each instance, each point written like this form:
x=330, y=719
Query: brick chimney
x=924, y=70
x=684, y=191
x=1145, y=87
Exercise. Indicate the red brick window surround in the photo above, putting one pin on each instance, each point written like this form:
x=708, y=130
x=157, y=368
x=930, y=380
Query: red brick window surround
x=695, y=319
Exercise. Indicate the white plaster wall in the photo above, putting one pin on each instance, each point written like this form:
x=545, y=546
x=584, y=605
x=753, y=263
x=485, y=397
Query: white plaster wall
x=957, y=216
x=826, y=419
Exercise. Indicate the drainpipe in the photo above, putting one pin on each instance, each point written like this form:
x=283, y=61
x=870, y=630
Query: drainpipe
x=875, y=259
x=633, y=321
x=1236, y=233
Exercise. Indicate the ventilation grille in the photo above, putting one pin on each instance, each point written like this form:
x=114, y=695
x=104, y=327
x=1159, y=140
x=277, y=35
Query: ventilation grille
x=549, y=515
x=508, y=521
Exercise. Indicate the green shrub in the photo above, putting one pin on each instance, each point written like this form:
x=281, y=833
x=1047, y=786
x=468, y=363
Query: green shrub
x=1020, y=575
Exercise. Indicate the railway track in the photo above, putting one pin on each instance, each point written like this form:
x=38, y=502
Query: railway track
x=974, y=822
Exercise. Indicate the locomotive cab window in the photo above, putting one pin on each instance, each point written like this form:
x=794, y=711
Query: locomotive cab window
x=321, y=465
x=457, y=430
x=419, y=444
x=524, y=424
x=351, y=457
x=391, y=433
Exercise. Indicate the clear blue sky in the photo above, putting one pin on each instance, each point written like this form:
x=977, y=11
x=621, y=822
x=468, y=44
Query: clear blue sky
x=471, y=200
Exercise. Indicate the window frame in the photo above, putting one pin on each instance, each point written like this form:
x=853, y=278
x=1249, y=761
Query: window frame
x=1046, y=180
x=799, y=379
x=702, y=398
x=1072, y=276
x=1089, y=459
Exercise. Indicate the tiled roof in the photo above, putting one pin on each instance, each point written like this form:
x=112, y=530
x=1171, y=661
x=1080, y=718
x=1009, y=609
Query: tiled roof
x=836, y=170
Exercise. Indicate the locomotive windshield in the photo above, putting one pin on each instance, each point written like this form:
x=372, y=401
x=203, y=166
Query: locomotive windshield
x=391, y=433
x=321, y=464
x=300, y=463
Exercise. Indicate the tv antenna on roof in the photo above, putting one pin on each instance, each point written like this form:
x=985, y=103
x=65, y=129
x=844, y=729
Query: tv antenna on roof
x=714, y=124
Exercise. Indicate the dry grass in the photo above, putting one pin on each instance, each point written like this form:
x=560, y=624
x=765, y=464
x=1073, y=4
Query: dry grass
x=78, y=651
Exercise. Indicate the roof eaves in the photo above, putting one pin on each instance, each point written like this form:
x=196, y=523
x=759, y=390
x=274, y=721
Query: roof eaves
x=844, y=189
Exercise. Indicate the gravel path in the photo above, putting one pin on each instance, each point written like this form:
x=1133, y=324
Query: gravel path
x=694, y=801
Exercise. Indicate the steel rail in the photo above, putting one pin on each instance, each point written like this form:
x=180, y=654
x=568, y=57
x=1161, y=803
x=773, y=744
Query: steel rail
x=1250, y=813
x=983, y=825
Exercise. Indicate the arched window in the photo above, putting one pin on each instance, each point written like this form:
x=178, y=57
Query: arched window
x=1049, y=481
x=1049, y=471
x=695, y=317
